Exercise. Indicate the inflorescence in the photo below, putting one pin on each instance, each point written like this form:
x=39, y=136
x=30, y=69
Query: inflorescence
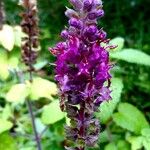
x=83, y=71
x=29, y=26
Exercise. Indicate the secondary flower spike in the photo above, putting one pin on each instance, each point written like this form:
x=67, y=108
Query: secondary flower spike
x=83, y=71
x=29, y=26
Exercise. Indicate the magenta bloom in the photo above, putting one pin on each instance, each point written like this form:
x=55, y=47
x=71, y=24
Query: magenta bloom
x=82, y=71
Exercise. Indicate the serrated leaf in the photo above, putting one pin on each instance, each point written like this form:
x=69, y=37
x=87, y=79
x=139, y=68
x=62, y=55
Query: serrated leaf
x=132, y=56
x=52, y=113
x=42, y=88
x=119, y=42
x=7, y=142
x=4, y=73
x=136, y=142
x=107, y=108
x=111, y=146
x=17, y=93
x=5, y=125
x=7, y=38
x=128, y=117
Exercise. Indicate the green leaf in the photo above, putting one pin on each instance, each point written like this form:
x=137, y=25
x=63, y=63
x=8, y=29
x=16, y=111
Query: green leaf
x=5, y=125
x=4, y=73
x=7, y=113
x=146, y=135
x=123, y=145
x=17, y=93
x=146, y=144
x=111, y=146
x=7, y=38
x=136, y=142
x=42, y=88
x=107, y=108
x=146, y=132
x=119, y=42
x=52, y=113
x=39, y=125
x=105, y=137
x=13, y=61
x=40, y=65
x=7, y=142
x=132, y=56
x=18, y=35
x=128, y=117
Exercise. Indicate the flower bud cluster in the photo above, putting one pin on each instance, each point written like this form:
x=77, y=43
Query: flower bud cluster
x=29, y=26
x=83, y=71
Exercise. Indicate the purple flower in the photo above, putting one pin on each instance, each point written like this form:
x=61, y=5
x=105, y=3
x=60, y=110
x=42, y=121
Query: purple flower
x=83, y=71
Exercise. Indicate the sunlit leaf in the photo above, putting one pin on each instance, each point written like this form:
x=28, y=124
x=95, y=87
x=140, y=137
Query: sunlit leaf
x=132, y=56
x=5, y=125
x=18, y=35
x=52, y=113
x=146, y=144
x=136, y=142
x=13, y=62
x=17, y=93
x=119, y=42
x=7, y=142
x=130, y=118
x=40, y=65
x=39, y=125
x=111, y=146
x=4, y=73
x=123, y=145
x=146, y=135
x=6, y=112
x=107, y=108
x=42, y=88
x=7, y=38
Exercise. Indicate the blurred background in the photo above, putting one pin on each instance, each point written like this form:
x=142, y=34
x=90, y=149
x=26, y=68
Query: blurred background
x=125, y=120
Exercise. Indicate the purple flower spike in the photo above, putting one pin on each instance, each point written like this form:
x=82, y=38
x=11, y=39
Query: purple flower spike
x=83, y=72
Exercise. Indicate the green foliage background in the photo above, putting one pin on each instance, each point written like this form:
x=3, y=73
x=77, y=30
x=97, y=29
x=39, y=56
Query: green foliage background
x=125, y=121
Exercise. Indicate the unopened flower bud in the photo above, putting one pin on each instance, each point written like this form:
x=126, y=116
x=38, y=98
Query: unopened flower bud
x=75, y=23
x=77, y=4
x=64, y=34
x=87, y=4
x=95, y=14
x=71, y=13
x=90, y=30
